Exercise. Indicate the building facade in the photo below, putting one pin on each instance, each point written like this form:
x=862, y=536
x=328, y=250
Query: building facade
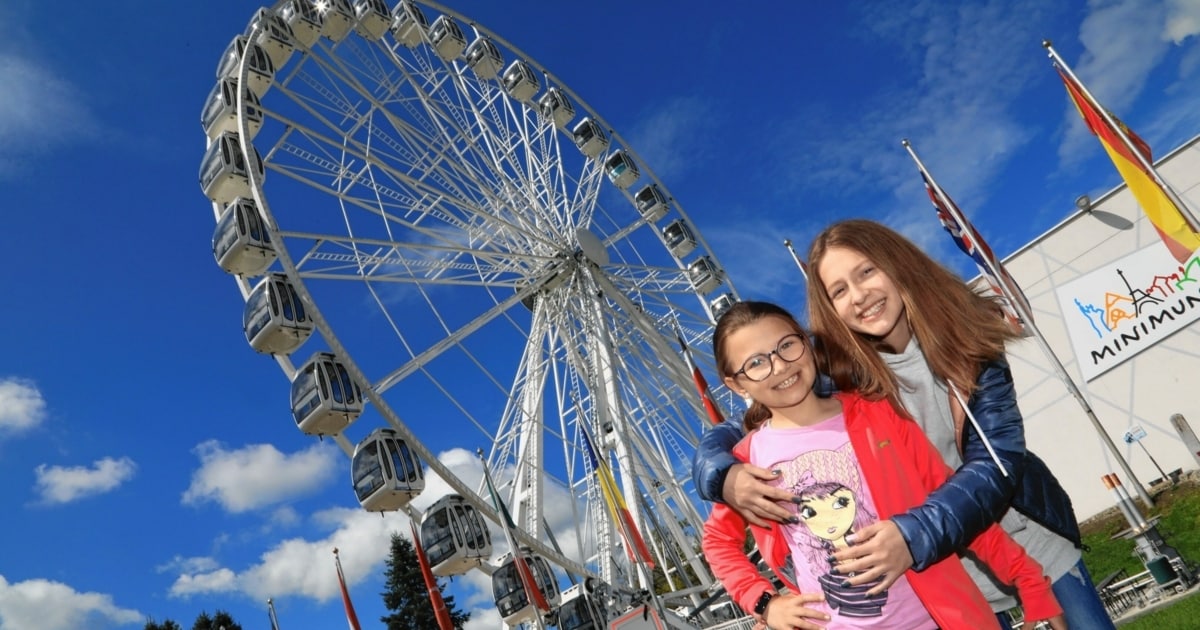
x=1122, y=316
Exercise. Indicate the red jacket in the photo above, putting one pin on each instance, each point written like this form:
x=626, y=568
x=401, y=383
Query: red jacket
x=901, y=467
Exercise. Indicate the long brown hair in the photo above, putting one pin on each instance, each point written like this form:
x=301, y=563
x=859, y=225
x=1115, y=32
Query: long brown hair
x=738, y=316
x=957, y=328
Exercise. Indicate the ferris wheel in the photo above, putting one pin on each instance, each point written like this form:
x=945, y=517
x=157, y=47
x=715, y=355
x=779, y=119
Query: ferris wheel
x=436, y=237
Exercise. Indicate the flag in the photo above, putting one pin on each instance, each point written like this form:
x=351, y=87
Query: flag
x=271, y=615
x=714, y=414
x=635, y=545
x=1168, y=220
x=523, y=570
x=972, y=244
x=350, y=616
x=435, y=593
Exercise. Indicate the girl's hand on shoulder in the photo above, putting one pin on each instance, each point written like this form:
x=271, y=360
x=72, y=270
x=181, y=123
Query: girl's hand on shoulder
x=746, y=491
x=791, y=612
x=877, y=552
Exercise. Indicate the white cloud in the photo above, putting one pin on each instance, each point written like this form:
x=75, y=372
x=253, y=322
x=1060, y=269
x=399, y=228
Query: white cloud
x=1122, y=43
x=1183, y=20
x=963, y=119
x=258, y=475
x=361, y=538
x=61, y=484
x=47, y=605
x=21, y=404
x=486, y=618
x=60, y=117
x=195, y=564
x=674, y=135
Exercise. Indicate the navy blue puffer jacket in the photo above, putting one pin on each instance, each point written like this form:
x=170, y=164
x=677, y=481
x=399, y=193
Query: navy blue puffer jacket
x=974, y=497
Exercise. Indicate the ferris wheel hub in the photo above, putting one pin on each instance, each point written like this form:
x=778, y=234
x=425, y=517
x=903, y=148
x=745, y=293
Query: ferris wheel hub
x=591, y=246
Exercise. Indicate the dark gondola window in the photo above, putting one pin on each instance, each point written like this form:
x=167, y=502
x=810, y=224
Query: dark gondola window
x=367, y=475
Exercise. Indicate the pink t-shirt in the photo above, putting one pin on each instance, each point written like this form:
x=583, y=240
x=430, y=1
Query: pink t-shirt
x=819, y=465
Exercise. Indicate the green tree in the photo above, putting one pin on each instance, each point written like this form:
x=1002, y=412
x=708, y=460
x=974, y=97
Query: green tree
x=220, y=620
x=406, y=596
x=167, y=624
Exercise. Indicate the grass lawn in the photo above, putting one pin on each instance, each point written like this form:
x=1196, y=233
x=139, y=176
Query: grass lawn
x=1183, y=615
x=1179, y=508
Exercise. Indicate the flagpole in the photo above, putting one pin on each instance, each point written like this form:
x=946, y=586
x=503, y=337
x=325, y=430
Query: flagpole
x=1023, y=309
x=1184, y=211
x=351, y=616
x=787, y=242
x=271, y=614
x=631, y=536
x=524, y=573
x=435, y=593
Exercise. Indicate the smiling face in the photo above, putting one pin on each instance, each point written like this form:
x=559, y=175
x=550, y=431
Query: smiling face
x=864, y=297
x=790, y=384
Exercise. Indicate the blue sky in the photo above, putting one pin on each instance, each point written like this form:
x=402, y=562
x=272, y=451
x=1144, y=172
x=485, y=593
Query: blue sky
x=149, y=465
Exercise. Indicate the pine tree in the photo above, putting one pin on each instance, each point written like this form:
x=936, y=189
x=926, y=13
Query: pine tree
x=406, y=596
x=218, y=621
x=166, y=624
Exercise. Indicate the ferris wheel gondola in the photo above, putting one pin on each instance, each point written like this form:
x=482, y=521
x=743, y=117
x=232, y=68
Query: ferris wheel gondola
x=519, y=81
x=447, y=37
x=622, y=171
x=408, y=24
x=225, y=171
x=386, y=474
x=484, y=58
x=274, y=319
x=590, y=138
x=241, y=243
x=374, y=19
x=479, y=267
x=705, y=275
x=220, y=113
x=325, y=400
x=679, y=238
x=651, y=202
x=260, y=68
x=512, y=599
x=273, y=34
x=337, y=19
x=305, y=19
x=557, y=107
x=455, y=536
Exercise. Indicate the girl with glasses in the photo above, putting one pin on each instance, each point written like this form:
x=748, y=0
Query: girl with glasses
x=848, y=462
x=900, y=327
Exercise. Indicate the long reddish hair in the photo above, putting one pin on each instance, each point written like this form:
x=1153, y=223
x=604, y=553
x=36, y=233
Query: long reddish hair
x=957, y=328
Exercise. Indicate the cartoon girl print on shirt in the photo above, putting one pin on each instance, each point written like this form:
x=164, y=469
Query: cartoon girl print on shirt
x=830, y=491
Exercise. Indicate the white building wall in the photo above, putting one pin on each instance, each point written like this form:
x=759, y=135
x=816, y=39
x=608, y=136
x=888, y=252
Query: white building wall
x=1141, y=392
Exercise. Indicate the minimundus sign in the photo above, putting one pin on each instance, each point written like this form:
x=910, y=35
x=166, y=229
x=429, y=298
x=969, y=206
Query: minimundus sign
x=1127, y=306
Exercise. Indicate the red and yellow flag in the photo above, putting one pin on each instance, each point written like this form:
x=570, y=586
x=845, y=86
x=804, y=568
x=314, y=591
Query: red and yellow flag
x=1168, y=220
x=635, y=545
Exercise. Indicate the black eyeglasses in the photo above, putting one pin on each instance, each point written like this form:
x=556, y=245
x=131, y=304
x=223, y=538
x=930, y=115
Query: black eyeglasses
x=760, y=367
